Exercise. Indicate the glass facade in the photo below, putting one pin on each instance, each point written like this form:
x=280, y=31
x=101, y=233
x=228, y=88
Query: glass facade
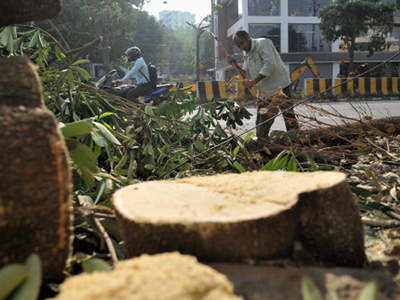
x=307, y=38
x=271, y=31
x=306, y=8
x=233, y=12
x=264, y=7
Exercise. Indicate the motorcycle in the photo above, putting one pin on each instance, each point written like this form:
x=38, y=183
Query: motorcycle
x=106, y=83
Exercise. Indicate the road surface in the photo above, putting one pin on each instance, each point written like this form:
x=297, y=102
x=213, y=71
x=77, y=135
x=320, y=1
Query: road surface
x=356, y=110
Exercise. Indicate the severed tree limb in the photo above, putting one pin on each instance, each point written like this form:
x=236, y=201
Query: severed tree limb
x=74, y=54
x=108, y=241
x=337, y=135
x=380, y=223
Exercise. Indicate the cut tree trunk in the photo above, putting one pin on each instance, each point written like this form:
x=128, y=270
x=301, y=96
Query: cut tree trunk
x=236, y=217
x=21, y=11
x=169, y=276
x=19, y=83
x=35, y=176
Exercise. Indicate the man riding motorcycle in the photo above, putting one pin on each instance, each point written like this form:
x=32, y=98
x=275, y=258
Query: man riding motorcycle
x=140, y=71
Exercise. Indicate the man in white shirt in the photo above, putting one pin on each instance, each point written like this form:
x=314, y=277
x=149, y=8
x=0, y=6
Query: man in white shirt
x=264, y=68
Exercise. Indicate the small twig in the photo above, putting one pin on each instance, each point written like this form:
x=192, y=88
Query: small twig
x=108, y=241
x=393, y=213
x=95, y=209
x=380, y=223
x=385, y=151
x=94, y=214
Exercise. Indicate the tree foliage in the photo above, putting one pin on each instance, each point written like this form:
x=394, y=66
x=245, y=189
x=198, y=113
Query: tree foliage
x=117, y=21
x=180, y=58
x=348, y=19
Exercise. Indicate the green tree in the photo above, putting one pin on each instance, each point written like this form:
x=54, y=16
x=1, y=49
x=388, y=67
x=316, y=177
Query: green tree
x=349, y=19
x=180, y=53
x=149, y=36
x=117, y=21
x=207, y=52
x=199, y=30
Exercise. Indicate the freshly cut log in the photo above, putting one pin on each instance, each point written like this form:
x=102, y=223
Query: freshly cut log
x=35, y=189
x=21, y=11
x=235, y=217
x=167, y=276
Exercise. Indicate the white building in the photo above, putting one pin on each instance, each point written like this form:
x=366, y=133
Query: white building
x=293, y=27
x=174, y=19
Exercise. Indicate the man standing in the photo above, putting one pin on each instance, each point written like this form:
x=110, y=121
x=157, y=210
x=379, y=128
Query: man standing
x=264, y=68
x=140, y=71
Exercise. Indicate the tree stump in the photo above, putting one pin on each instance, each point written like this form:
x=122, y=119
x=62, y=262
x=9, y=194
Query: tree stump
x=166, y=276
x=35, y=177
x=236, y=217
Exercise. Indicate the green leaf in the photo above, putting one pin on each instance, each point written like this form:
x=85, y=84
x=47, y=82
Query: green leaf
x=199, y=146
x=309, y=290
x=88, y=177
x=81, y=72
x=98, y=138
x=7, y=36
x=81, y=62
x=34, y=40
x=11, y=277
x=239, y=167
x=280, y=164
x=292, y=165
x=107, y=114
x=149, y=166
x=95, y=265
x=236, y=151
x=149, y=110
x=148, y=149
x=78, y=128
x=248, y=136
x=369, y=292
x=107, y=134
x=84, y=158
x=30, y=288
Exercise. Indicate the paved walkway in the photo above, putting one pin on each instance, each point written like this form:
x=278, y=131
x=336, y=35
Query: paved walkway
x=357, y=110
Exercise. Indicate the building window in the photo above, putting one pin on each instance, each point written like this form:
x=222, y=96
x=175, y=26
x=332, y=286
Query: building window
x=271, y=31
x=233, y=12
x=307, y=38
x=306, y=8
x=264, y=7
x=397, y=7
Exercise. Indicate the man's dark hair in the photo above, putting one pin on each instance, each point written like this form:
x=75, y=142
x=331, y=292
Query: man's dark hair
x=241, y=34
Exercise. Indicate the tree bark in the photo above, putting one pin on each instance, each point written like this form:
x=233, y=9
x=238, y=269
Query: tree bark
x=21, y=11
x=237, y=217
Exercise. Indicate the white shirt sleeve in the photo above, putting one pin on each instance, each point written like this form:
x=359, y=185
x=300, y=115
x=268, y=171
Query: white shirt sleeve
x=266, y=51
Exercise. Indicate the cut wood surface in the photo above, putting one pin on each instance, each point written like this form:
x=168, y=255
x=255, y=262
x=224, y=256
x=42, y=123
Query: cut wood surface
x=169, y=276
x=234, y=217
x=267, y=282
x=21, y=11
x=35, y=189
